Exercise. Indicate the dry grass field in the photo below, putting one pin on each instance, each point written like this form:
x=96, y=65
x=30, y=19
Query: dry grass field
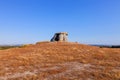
x=60, y=61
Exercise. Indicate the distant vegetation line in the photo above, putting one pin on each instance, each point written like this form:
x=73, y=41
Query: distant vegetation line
x=108, y=46
x=7, y=47
x=3, y=47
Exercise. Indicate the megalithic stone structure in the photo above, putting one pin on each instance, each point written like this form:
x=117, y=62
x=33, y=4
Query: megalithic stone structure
x=61, y=36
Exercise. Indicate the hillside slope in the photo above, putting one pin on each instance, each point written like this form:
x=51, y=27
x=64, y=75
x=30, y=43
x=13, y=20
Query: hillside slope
x=60, y=61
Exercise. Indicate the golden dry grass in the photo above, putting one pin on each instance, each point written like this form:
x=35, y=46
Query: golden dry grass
x=60, y=61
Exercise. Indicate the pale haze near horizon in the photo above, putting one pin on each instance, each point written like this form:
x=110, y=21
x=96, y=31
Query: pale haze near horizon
x=86, y=21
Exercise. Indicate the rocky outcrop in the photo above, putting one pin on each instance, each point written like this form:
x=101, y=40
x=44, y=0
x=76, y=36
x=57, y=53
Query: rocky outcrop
x=61, y=36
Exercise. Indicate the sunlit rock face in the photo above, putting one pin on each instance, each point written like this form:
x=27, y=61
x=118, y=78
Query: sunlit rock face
x=61, y=36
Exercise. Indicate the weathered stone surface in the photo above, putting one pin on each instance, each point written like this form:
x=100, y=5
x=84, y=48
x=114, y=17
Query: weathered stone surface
x=61, y=36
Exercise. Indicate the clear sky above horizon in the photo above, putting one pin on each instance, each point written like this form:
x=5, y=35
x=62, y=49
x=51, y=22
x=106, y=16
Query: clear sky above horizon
x=86, y=21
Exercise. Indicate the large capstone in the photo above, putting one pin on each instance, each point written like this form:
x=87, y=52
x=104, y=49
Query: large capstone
x=61, y=36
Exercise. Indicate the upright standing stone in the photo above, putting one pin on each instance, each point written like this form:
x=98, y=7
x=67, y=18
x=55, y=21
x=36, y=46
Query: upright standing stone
x=61, y=36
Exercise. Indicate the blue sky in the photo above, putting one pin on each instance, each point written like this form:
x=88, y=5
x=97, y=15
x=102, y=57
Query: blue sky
x=86, y=21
